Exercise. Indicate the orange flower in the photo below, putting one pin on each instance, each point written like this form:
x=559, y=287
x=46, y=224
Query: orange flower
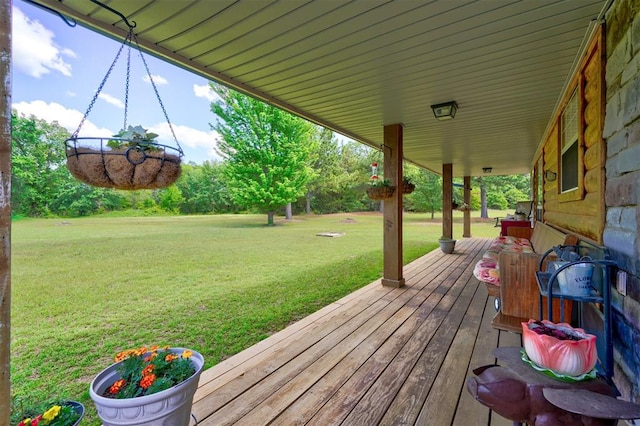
x=115, y=388
x=123, y=355
x=147, y=380
x=170, y=357
x=147, y=370
x=140, y=351
x=150, y=357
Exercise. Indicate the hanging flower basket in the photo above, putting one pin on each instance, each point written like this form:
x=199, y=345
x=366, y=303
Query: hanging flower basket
x=131, y=159
x=407, y=186
x=381, y=192
x=130, y=167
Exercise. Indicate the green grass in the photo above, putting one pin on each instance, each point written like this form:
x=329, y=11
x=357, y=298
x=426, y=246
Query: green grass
x=84, y=289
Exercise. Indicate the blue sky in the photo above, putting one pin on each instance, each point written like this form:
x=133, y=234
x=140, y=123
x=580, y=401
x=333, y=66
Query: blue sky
x=57, y=70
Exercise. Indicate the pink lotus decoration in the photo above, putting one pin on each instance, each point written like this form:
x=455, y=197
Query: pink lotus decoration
x=559, y=347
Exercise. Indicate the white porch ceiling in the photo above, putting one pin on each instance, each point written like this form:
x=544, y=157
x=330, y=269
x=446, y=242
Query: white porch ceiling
x=355, y=66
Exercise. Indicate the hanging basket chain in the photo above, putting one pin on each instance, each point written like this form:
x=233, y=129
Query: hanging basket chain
x=126, y=87
x=155, y=89
x=104, y=80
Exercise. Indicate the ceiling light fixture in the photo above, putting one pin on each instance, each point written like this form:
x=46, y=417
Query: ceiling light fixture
x=487, y=169
x=445, y=111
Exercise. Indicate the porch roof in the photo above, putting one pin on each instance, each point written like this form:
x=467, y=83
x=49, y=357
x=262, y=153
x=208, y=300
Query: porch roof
x=355, y=66
x=377, y=356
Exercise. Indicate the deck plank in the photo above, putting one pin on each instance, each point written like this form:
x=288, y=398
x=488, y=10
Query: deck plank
x=377, y=356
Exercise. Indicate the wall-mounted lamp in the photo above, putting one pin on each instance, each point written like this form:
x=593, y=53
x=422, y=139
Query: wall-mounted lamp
x=550, y=176
x=445, y=111
x=487, y=169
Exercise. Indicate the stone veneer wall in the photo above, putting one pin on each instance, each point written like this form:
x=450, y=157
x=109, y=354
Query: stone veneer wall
x=622, y=135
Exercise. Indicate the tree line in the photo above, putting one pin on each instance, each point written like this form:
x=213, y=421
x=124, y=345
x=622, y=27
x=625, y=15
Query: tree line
x=271, y=162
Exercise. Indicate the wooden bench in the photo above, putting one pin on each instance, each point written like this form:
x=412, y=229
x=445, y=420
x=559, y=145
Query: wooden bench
x=519, y=294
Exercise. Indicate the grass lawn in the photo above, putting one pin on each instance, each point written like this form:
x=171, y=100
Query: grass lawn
x=84, y=289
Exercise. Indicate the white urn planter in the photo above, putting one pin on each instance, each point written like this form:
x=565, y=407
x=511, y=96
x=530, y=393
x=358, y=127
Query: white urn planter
x=171, y=407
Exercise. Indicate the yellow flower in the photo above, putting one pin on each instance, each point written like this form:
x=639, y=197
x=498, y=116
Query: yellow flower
x=52, y=413
x=187, y=354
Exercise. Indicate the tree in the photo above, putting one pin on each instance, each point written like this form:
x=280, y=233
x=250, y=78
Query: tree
x=38, y=159
x=267, y=151
x=427, y=196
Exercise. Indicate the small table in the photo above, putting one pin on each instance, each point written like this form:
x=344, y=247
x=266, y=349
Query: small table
x=507, y=223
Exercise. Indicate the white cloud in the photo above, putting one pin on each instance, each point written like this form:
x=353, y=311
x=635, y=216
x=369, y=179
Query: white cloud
x=111, y=100
x=34, y=51
x=187, y=137
x=157, y=79
x=67, y=118
x=206, y=92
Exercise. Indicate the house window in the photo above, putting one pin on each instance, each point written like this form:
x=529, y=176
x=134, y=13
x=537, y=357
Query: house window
x=569, y=159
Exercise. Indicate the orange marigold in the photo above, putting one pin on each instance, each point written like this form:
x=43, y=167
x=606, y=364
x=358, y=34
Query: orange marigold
x=147, y=380
x=151, y=357
x=171, y=357
x=115, y=388
x=147, y=370
x=140, y=351
x=124, y=355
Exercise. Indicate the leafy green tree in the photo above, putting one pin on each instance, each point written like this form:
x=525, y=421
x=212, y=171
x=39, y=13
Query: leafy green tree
x=203, y=188
x=427, y=196
x=267, y=151
x=170, y=199
x=38, y=159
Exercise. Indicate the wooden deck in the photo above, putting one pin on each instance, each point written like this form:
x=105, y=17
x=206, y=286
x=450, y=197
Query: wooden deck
x=378, y=356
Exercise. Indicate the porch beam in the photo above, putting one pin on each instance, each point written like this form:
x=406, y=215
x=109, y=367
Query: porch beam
x=5, y=210
x=466, y=222
x=392, y=215
x=447, y=200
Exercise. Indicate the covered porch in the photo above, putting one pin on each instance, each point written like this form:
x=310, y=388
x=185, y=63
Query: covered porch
x=380, y=355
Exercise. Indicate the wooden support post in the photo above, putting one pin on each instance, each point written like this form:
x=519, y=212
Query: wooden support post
x=447, y=200
x=5, y=211
x=392, y=216
x=466, y=227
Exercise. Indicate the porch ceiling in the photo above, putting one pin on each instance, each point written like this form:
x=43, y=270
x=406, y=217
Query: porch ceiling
x=355, y=66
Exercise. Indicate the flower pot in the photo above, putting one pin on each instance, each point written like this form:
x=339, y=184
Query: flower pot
x=381, y=192
x=78, y=408
x=124, y=168
x=168, y=407
x=447, y=246
x=563, y=357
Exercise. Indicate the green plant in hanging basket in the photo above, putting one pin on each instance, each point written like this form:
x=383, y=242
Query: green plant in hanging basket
x=133, y=136
x=407, y=186
x=380, y=189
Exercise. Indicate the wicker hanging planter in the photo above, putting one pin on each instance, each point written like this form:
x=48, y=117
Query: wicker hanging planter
x=407, y=186
x=130, y=160
x=381, y=192
x=129, y=168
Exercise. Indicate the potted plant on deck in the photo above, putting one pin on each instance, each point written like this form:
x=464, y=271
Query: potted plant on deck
x=447, y=245
x=58, y=413
x=148, y=387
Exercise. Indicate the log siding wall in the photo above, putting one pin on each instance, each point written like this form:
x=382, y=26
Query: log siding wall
x=581, y=210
